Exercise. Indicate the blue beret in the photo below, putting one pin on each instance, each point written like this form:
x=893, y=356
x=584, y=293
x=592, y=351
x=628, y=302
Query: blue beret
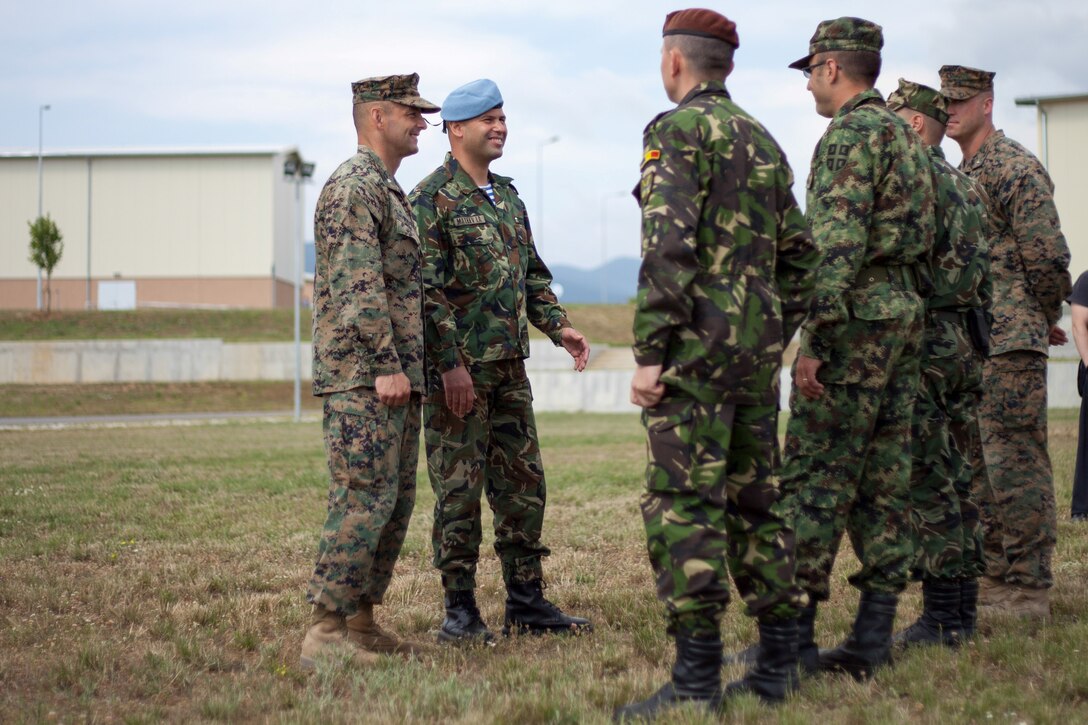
x=471, y=100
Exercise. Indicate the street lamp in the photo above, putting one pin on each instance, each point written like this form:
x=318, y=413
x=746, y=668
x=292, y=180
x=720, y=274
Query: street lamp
x=41, y=122
x=298, y=170
x=540, y=184
x=604, y=238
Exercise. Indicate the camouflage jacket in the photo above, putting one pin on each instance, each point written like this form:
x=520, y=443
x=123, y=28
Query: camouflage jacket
x=368, y=299
x=483, y=281
x=870, y=204
x=1029, y=258
x=959, y=265
x=725, y=252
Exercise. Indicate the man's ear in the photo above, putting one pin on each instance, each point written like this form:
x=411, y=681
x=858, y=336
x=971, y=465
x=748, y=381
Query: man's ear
x=918, y=122
x=676, y=62
x=988, y=105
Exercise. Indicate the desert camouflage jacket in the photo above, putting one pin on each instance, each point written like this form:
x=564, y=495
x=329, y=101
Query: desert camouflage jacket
x=482, y=278
x=870, y=204
x=1029, y=258
x=727, y=260
x=368, y=295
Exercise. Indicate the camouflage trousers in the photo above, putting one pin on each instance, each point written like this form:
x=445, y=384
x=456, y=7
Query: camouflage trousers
x=1019, y=521
x=710, y=504
x=847, y=463
x=492, y=451
x=373, y=453
x=946, y=455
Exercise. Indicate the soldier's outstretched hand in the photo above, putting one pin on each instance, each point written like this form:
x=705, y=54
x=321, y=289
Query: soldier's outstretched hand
x=576, y=344
x=460, y=394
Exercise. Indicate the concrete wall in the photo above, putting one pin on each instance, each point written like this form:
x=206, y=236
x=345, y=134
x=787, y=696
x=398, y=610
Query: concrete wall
x=602, y=387
x=1067, y=161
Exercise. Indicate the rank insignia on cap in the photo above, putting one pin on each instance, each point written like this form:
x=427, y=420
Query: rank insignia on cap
x=652, y=155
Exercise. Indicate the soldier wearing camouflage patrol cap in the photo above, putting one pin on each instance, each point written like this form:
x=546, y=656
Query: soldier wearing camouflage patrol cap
x=1030, y=271
x=727, y=272
x=946, y=449
x=368, y=368
x=483, y=284
x=847, y=465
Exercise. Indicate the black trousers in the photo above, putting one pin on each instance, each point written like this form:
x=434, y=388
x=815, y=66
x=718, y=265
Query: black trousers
x=1080, y=472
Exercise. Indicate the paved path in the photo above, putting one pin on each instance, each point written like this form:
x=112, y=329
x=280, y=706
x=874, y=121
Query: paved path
x=152, y=420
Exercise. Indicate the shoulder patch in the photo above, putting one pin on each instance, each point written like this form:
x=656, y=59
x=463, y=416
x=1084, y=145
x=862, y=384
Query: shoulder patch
x=837, y=153
x=464, y=221
x=651, y=155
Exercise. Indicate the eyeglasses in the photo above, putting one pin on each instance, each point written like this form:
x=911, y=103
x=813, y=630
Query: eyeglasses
x=808, y=70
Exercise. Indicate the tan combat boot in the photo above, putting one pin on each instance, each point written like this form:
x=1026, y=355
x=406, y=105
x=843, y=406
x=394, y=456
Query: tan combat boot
x=328, y=635
x=365, y=632
x=1026, y=602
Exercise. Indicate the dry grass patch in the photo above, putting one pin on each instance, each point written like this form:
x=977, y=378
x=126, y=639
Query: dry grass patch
x=151, y=574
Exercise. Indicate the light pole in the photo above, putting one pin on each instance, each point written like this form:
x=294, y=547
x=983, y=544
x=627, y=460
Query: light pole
x=604, y=238
x=298, y=170
x=540, y=184
x=41, y=123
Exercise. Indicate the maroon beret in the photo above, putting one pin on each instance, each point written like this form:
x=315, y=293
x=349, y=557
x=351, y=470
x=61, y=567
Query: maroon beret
x=703, y=23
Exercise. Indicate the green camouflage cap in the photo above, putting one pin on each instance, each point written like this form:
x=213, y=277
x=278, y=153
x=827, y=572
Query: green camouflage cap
x=843, y=34
x=922, y=99
x=958, y=82
x=398, y=89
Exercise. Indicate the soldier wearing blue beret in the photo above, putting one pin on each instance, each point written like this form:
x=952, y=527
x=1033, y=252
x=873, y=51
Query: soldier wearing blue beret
x=483, y=283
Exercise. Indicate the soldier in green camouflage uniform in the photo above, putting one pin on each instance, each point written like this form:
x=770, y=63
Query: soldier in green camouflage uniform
x=483, y=284
x=847, y=469
x=726, y=274
x=368, y=367
x=1030, y=266
x=944, y=516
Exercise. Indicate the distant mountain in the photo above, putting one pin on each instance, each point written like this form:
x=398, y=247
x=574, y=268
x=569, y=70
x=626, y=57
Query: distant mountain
x=619, y=278
x=614, y=282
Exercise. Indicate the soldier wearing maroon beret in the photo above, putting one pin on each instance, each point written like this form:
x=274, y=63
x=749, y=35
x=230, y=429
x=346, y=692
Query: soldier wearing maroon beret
x=728, y=267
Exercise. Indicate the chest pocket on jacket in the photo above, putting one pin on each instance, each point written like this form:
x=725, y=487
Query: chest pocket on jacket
x=473, y=252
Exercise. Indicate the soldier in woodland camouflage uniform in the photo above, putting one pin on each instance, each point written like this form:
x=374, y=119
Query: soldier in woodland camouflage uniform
x=483, y=284
x=1030, y=267
x=726, y=274
x=847, y=468
x=945, y=445
x=368, y=366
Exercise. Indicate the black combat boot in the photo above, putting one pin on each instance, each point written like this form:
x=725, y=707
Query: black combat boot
x=528, y=612
x=807, y=652
x=696, y=677
x=775, y=673
x=463, y=623
x=969, y=607
x=940, y=621
x=870, y=643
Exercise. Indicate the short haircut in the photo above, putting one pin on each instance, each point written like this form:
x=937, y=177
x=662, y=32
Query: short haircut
x=858, y=65
x=708, y=57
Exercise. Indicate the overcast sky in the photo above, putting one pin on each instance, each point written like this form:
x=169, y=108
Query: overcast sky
x=142, y=73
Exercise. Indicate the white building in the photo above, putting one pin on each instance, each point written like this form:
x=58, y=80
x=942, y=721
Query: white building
x=1063, y=126
x=154, y=227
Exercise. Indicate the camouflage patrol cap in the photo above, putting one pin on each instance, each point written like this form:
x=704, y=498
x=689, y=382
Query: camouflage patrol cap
x=922, y=99
x=398, y=89
x=702, y=23
x=843, y=34
x=958, y=82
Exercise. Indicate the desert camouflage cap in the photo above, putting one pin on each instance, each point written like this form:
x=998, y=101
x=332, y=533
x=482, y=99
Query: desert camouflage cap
x=843, y=34
x=399, y=89
x=917, y=97
x=958, y=82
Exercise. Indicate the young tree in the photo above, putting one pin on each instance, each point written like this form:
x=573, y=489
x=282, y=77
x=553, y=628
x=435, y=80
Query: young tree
x=46, y=246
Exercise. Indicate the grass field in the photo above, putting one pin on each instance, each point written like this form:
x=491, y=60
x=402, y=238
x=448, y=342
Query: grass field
x=151, y=574
x=602, y=324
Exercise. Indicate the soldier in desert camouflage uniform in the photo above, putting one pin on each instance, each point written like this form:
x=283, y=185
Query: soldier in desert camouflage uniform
x=945, y=445
x=368, y=367
x=1030, y=268
x=847, y=465
x=483, y=284
x=726, y=273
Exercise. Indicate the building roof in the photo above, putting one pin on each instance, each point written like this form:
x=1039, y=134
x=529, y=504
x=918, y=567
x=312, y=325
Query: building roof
x=150, y=151
x=1042, y=100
